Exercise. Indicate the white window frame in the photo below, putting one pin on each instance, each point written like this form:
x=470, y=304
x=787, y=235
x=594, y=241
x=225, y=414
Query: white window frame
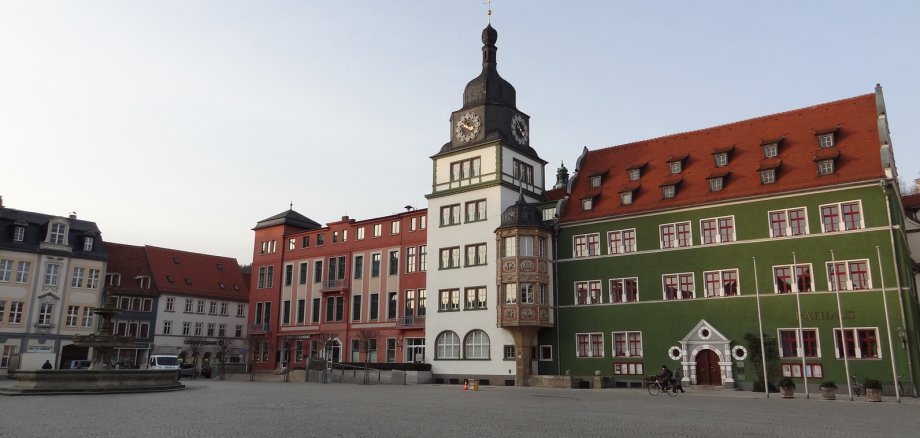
x=621, y=247
x=716, y=184
x=6, y=270
x=587, y=245
x=831, y=269
x=675, y=167
x=19, y=234
x=841, y=223
x=668, y=192
x=787, y=228
x=676, y=243
x=596, y=181
x=859, y=353
x=825, y=140
x=721, y=159
x=770, y=150
x=590, y=350
x=722, y=282
x=799, y=344
x=826, y=167
x=447, y=345
x=590, y=298
x=624, y=297
x=717, y=226
x=587, y=204
x=794, y=287
x=768, y=176
x=628, y=351
x=634, y=174
x=678, y=276
x=626, y=198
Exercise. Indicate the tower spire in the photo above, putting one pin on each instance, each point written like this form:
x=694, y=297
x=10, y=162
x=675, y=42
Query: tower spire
x=489, y=14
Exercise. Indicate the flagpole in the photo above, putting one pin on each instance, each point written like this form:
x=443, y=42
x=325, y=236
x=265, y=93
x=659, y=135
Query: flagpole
x=798, y=304
x=894, y=371
x=763, y=350
x=843, y=346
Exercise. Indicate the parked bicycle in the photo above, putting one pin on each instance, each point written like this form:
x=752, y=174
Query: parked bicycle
x=857, y=387
x=655, y=387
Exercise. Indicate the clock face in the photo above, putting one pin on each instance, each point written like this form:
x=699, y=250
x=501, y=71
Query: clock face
x=519, y=129
x=467, y=127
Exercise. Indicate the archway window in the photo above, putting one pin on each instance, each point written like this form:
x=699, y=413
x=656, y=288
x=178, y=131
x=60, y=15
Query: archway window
x=476, y=345
x=447, y=346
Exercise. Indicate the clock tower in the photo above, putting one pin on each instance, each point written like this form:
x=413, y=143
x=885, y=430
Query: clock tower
x=487, y=166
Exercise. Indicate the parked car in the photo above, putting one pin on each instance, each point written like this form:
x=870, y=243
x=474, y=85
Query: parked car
x=77, y=364
x=186, y=370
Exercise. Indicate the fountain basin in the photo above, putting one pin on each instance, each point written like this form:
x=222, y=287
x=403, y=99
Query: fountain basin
x=107, y=381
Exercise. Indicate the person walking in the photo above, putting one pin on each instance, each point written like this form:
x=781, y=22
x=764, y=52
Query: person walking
x=676, y=376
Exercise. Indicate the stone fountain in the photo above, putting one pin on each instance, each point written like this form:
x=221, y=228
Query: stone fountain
x=100, y=377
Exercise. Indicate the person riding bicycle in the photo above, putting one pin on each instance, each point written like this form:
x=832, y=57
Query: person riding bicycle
x=665, y=377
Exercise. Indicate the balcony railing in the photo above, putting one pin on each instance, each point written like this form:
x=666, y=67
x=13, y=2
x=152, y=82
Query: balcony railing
x=334, y=285
x=411, y=321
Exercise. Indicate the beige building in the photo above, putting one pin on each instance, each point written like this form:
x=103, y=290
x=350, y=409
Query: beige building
x=51, y=274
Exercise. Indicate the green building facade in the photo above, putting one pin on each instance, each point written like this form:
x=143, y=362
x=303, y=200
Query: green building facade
x=657, y=264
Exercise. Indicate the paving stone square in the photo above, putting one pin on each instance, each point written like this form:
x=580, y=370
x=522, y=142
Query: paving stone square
x=272, y=409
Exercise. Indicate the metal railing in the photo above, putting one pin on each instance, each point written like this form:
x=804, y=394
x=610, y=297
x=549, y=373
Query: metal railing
x=334, y=285
x=411, y=321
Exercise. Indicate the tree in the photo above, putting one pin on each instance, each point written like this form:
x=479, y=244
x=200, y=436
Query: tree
x=772, y=356
x=223, y=347
x=367, y=341
x=251, y=341
x=195, y=346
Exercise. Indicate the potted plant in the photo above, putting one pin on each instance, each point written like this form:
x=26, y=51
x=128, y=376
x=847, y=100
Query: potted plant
x=828, y=390
x=787, y=387
x=873, y=390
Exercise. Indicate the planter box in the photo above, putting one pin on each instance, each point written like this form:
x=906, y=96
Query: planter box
x=787, y=392
x=873, y=395
x=829, y=393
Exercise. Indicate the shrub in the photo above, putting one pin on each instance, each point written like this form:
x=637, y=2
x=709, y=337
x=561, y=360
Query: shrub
x=828, y=384
x=872, y=384
x=786, y=382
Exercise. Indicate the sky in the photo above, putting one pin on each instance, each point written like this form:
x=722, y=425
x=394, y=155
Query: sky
x=181, y=124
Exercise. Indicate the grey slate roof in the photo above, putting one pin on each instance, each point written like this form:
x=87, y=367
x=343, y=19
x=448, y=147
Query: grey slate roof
x=36, y=226
x=289, y=217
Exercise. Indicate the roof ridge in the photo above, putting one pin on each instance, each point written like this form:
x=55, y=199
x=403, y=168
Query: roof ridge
x=739, y=122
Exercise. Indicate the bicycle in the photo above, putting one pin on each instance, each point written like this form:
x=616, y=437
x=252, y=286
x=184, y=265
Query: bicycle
x=655, y=387
x=857, y=387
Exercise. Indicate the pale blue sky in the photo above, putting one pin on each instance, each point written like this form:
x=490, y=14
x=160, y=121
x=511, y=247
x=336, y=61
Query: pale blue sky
x=183, y=123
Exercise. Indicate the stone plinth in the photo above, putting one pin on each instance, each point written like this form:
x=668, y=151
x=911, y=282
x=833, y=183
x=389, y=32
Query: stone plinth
x=48, y=382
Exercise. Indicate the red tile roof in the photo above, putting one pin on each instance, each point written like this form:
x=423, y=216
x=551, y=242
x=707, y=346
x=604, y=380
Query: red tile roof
x=856, y=144
x=197, y=274
x=130, y=262
x=911, y=202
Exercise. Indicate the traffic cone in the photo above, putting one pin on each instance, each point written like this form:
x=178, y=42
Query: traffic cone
x=466, y=385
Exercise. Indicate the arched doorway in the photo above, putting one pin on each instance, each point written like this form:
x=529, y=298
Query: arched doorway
x=708, y=371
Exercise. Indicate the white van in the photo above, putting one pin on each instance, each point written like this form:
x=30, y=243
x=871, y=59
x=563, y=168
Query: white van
x=163, y=362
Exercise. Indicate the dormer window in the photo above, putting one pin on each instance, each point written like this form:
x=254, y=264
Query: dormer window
x=825, y=158
x=113, y=279
x=19, y=234
x=87, y=244
x=668, y=192
x=169, y=278
x=825, y=167
x=587, y=203
x=596, y=181
x=220, y=266
x=57, y=234
x=188, y=281
x=626, y=198
x=634, y=174
x=674, y=167
x=770, y=150
x=676, y=164
x=176, y=260
x=825, y=140
x=721, y=159
x=768, y=176
x=716, y=184
x=221, y=285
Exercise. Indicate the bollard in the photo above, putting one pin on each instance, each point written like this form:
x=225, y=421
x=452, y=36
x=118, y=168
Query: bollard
x=475, y=384
x=466, y=384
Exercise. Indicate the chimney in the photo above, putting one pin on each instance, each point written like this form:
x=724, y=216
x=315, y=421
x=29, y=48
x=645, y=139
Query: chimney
x=73, y=215
x=1, y=201
x=916, y=183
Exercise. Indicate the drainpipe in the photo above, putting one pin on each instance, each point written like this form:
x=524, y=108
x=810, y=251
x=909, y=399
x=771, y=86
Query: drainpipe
x=897, y=278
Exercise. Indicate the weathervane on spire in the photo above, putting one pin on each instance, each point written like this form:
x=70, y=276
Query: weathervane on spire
x=489, y=14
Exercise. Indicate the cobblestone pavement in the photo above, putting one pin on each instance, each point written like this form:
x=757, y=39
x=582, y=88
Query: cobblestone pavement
x=257, y=409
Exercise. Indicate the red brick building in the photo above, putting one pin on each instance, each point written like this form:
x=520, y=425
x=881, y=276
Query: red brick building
x=352, y=291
